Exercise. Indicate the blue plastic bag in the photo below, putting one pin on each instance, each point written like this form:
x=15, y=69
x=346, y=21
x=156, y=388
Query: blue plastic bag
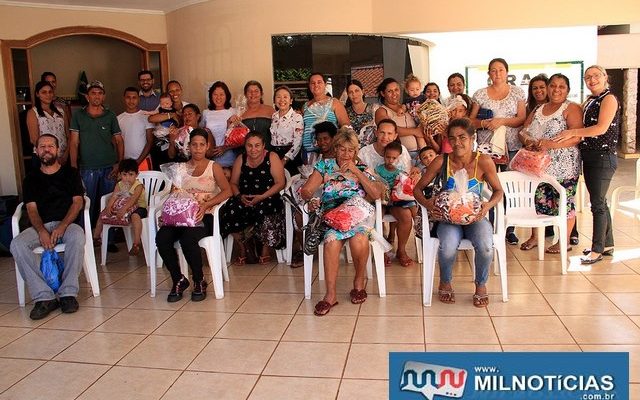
x=51, y=266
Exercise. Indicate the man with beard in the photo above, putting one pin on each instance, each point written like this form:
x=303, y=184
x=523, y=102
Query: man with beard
x=96, y=147
x=54, y=198
x=149, y=99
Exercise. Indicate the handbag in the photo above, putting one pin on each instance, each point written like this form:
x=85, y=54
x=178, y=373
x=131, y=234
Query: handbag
x=314, y=232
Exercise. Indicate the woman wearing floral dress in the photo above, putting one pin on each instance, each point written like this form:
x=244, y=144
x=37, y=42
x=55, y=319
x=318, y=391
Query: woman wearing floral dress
x=542, y=125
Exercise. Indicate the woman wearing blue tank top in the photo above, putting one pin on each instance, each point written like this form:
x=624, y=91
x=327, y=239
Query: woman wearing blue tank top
x=481, y=170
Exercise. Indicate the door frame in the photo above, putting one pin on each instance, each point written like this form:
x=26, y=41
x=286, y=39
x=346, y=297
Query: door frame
x=6, y=47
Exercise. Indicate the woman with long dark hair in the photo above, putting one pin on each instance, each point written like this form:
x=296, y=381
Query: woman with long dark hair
x=45, y=117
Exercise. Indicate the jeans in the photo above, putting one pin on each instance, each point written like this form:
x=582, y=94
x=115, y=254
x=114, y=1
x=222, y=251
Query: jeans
x=97, y=183
x=481, y=236
x=598, y=168
x=29, y=263
x=188, y=238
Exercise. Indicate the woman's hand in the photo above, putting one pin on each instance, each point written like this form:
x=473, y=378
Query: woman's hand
x=349, y=166
x=200, y=213
x=218, y=151
x=234, y=119
x=492, y=123
x=246, y=200
x=434, y=212
x=545, y=144
x=173, y=133
x=313, y=204
x=484, y=209
x=415, y=175
x=564, y=135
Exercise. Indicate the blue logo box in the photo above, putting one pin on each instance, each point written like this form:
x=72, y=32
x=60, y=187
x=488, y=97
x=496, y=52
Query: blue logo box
x=478, y=376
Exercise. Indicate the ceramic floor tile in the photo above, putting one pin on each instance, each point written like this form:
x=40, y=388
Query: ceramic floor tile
x=251, y=270
x=20, y=318
x=229, y=303
x=322, y=360
x=462, y=307
x=9, y=334
x=541, y=347
x=14, y=369
x=344, y=308
x=602, y=329
x=609, y=267
x=403, y=284
x=114, y=298
x=616, y=283
x=211, y=386
x=42, y=344
x=277, y=387
x=570, y=283
x=581, y=304
x=85, y=319
x=65, y=380
x=515, y=284
x=543, y=267
x=159, y=302
x=389, y=330
x=255, y=326
x=135, y=321
x=518, y=330
x=519, y=304
x=434, y=347
x=101, y=348
x=168, y=352
x=271, y=303
x=468, y=330
x=281, y=284
x=234, y=355
x=367, y=389
x=329, y=328
x=131, y=383
x=242, y=283
x=629, y=303
x=5, y=308
x=371, y=361
x=193, y=323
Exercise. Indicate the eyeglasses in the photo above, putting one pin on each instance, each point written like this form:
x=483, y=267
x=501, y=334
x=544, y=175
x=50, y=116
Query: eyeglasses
x=594, y=76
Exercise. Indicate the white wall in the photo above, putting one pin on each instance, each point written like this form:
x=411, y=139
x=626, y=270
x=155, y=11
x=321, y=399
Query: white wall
x=453, y=51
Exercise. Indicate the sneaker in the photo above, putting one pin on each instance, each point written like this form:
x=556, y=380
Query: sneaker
x=512, y=238
x=199, y=292
x=42, y=308
x=177, y=290
x=574, y=241
x=112, y=248
x=69, y=304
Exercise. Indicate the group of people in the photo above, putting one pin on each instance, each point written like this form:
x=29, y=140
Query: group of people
x=356, y=149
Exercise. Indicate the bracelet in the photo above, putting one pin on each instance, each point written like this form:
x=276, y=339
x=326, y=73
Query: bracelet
x=168, y=115
x=481, y=124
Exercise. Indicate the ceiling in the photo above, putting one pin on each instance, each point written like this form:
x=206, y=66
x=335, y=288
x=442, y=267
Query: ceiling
x=142, y=6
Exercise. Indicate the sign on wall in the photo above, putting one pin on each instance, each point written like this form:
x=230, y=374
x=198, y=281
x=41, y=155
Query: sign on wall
x=520, y=74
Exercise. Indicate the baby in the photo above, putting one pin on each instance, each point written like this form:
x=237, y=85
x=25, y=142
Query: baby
x=166, y=107
x=413, y=99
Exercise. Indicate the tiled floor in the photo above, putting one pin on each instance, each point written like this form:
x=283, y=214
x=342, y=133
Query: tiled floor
x=262, y=342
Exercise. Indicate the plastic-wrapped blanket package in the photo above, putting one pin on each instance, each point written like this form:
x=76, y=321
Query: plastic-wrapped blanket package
x=403, y=189
x=459, y=206
x=111, y=218
x=237, y=131
x=530, y=162
x=181, y=207
x=434, y=116
x=349, y=214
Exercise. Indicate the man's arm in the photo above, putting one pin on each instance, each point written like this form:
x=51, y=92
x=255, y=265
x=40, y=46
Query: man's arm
x=74, y=141
x=36, y=223
x=72, y=214
x=147, y=146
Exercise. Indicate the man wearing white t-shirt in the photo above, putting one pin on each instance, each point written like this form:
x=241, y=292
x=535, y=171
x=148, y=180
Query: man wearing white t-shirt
x=137, y=131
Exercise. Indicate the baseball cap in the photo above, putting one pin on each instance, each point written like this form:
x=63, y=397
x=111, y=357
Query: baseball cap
x=95, y=84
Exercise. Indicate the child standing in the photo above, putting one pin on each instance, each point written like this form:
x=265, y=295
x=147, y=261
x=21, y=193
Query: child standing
x=132, y=189
x=389, y=173
x=426, y=156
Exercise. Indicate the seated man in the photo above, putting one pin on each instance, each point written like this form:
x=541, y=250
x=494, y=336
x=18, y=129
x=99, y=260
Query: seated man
x=54, y=197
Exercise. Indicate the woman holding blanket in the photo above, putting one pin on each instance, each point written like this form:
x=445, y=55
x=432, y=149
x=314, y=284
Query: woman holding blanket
x=343, y=179
x=480, y=169
x=209, y=186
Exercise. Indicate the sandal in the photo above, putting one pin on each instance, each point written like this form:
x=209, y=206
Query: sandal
x=323, y=307
x=405, y=260
x=358, y=296
x=554, y=249
x=240, y=260
x=264, y=260
x=529, y=244
x=480, y=300
x=135, y=250
x=387, y=260
x=447, y=296
x=97, y=242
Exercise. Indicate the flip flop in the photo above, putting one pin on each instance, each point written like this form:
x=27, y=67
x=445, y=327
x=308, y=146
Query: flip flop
x=528, y=245
x=556, y=250
x=358, y=296
x=323, y=308
x=405, y=261
x=480, y=300
x=240, y=260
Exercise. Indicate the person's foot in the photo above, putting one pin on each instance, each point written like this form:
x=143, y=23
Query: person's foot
x=555, y=249
x=446, y=293
x=404, y=260
x=135, y=250
x=97, y=242
x=531, y=243
x=481, y=298
x=591, y=258
x=42, y=308
x=608, y=251
x=112, y=248
x=69, y=304
x=512, y=238
x=574, y=241
x=177, y=290
x=199, y=292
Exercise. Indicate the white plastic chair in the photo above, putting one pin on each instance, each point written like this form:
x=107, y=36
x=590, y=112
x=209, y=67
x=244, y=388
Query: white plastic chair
x=152, y=181
x=429, y=250
x=519, y=190
x=631, y=207
x=378, y=258
x=283, y=256
x=90, y=269
x=211, y=244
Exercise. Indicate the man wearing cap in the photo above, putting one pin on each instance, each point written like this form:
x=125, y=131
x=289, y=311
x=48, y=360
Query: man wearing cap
x=96, y=146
